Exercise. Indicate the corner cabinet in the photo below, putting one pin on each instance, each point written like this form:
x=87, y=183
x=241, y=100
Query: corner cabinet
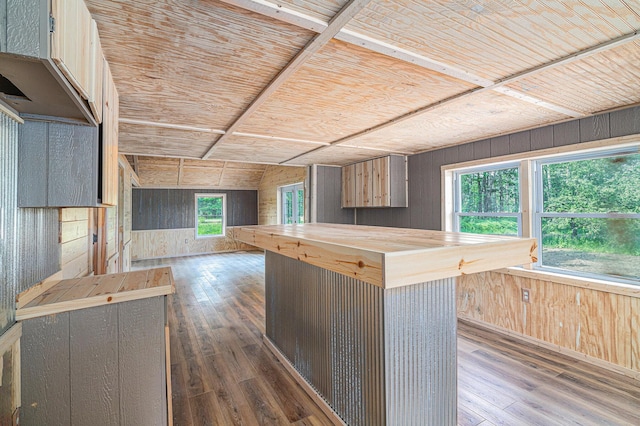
x=51, y=59
x=381, y=182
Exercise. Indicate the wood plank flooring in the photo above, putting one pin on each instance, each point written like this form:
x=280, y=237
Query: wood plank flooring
x=223, y=375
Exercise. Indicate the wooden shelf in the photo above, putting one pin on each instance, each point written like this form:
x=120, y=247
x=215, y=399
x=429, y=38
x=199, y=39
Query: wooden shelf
x=390, y=257
x=98, y=290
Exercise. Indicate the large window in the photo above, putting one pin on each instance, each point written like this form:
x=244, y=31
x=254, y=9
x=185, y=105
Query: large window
x=588, y=214
x=487, y=201
x=210, y=215
x=583, y=207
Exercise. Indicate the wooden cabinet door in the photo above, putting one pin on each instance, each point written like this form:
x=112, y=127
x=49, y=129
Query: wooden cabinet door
x=381, y=196
x=349, y=186
x=97, y=74
x=110, y=140
x=71, y=43
x=363, y=184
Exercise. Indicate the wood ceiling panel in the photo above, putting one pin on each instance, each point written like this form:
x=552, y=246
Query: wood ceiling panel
x=241, y=178
x=150, y=140
x=192, y=164
x=337, y=155
x=319, y=9
x=596, y=83
x=201, y=177
x=259, y=150
x=345, y=89
x=496, y=39
x=197, y=63
x=475, y=117
x=158, y=171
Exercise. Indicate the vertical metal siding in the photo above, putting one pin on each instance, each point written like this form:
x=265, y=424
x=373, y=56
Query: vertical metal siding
x=378, y=357
x=8, y=219
x=329, y=326
x=29, y=249
x=420, y=334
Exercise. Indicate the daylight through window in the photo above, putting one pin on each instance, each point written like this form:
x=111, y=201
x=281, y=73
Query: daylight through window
x=210, y=215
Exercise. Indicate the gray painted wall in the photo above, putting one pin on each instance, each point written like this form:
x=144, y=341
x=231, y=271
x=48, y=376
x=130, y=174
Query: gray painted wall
x=175, y=208
x=329, y=199
x=424, y=169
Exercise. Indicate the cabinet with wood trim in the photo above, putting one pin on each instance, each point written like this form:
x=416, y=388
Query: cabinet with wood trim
x=97, y=350
x=58, y=166
x=381, y=182
x=51, y=57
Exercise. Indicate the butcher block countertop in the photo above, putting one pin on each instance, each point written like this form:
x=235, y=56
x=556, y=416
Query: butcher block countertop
x=390, y=257
x=79, y=293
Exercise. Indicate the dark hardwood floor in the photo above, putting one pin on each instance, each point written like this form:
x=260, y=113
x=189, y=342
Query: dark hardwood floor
x=221, y=373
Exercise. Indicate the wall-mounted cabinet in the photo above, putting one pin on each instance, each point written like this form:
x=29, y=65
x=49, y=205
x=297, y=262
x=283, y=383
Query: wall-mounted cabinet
x=48, y=57
x=381, y=182
x=58, y=166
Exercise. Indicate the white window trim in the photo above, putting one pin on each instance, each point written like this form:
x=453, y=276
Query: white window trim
x=224, y=214
x=527, y=160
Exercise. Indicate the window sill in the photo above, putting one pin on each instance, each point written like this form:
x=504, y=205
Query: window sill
x=589, y=283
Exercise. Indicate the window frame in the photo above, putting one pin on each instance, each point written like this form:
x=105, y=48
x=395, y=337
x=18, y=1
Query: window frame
x=223, y=232
x=538, y=213
x=529, y=162
x=457, y=194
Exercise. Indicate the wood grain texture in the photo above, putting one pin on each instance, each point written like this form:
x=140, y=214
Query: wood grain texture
x=389, y=257
x=501, y=379
x=98, y=290
x=32, y=157
x=110, y=139
x=179, y=242
x=586, y=323
x=348, y=187
x=96, y=77
x=95, y=395
x=71, y=43
x=273, y=178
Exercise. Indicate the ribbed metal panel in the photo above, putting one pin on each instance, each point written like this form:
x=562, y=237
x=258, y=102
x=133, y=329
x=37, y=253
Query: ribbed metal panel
x=29, y=248
x=329, y=326
x=420, y=347
x=378, y=357
x=8, y=219
x=39, y=250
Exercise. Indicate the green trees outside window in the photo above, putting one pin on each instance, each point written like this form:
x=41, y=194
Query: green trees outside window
x=210, y=215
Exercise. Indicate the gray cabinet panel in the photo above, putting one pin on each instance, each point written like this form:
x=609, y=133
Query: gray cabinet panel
x=93, y=339
x=25, y=27
x=45, y=371
x=32, y=164
x=57, y=165
x=73, y=165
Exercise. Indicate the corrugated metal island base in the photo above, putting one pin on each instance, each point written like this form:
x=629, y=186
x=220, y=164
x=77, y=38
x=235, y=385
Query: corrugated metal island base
x=365, y=317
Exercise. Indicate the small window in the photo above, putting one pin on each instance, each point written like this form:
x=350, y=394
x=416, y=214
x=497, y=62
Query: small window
x=588, y=214
x=487, y=201
x=210, y=215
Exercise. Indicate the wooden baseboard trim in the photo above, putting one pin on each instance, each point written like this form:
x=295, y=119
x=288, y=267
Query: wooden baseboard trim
x=317, y=398
x=560, y=349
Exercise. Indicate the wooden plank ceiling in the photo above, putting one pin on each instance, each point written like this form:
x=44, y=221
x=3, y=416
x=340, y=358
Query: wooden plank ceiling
x=296, y=82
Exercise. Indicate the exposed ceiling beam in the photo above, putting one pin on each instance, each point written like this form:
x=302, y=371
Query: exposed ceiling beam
x=313, y=46
x=170, y=126
x=278, y=138
x=313, y=24
x=135, y=165
x=498, y=86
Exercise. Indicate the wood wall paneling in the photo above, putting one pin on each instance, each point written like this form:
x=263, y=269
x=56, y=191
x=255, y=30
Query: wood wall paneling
x=179, y=242
x=273, y=178
x=76, y=242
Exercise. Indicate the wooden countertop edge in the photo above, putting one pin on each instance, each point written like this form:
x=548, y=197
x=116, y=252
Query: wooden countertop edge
x=24, y=298
x=92, y=302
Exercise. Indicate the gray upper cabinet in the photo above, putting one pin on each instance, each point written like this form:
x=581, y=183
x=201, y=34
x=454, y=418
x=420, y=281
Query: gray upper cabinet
x=47, y=59
x=57, y=165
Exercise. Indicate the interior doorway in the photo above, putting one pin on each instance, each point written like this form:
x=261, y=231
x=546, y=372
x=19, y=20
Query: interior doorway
x=292, y=207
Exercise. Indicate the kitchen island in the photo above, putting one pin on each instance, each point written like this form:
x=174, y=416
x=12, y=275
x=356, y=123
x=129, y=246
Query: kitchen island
x=365, y=317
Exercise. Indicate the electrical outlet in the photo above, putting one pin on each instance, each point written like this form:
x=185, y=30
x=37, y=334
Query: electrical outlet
x=526, y=295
